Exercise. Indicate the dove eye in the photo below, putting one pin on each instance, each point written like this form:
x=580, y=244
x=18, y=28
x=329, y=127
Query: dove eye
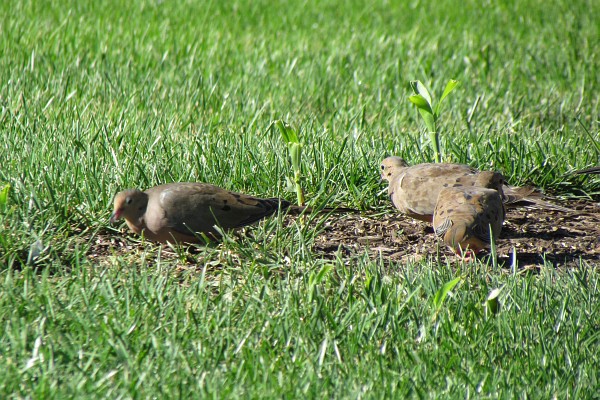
x=382, y=166
x=128, y=200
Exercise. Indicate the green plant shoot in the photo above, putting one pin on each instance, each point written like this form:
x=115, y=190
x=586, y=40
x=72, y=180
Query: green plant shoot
x=442, y=293
x=4, y=197
x=290, y=136
x=430, y=114
x=492, y=302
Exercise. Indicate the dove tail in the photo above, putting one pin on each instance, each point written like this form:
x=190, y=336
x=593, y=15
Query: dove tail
x=593, y=170
x=529, y=197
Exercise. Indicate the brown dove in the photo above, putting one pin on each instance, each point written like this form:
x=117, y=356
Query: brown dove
x=414, y=189
x=181, y=212
x=468, y=218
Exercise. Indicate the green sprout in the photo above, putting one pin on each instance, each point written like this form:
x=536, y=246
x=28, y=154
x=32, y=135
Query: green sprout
x=492, y=302
x=290, y=136
x=422, y=99
x=442, y=293
x=4, y=197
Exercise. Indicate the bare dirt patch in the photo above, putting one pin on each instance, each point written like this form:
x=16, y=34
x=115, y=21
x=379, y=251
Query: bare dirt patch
x=531, y=237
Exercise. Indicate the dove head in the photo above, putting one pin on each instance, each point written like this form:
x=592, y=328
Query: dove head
x=490, y=180
x=129, y=204
x=392, y=166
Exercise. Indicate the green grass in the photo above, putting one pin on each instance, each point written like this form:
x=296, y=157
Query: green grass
x=96, y=97
x=254, y=330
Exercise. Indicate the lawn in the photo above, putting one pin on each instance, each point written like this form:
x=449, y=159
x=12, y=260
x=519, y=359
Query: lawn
x=96, y=97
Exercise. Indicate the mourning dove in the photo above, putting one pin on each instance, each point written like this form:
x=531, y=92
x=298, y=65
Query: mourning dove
x=468, y=218
x=179, y=212
x=414, y=189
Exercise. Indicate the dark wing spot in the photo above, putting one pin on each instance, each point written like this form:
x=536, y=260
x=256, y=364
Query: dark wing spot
x=445, y=185
x=226, y=208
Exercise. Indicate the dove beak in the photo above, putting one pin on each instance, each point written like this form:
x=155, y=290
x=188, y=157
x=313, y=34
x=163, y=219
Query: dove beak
x=115, y=216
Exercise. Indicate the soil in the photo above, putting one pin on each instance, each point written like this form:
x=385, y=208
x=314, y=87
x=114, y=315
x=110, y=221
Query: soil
x=529, y=237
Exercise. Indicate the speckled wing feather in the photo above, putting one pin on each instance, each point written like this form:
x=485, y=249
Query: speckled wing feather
x=197, y=207
x=414, y=189
x=464, y=215
x=183, y=212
